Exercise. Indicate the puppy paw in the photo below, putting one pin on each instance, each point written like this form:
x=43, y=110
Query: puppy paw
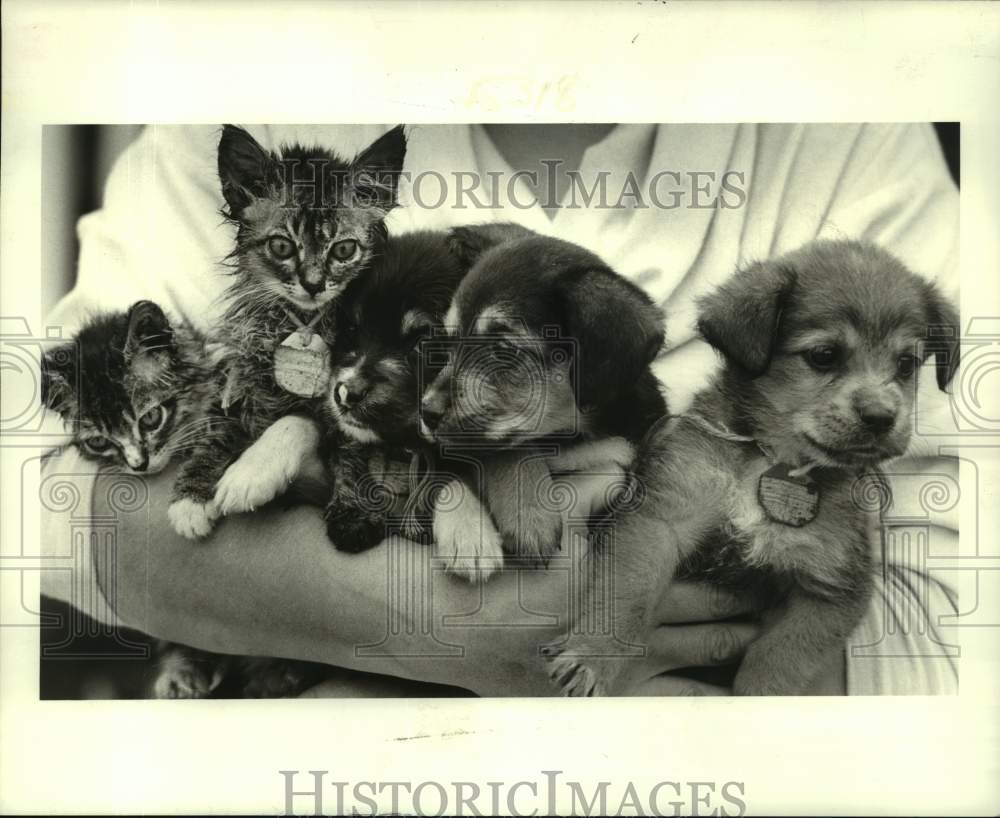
x=192, y=519
x=353, y=532
x=537, y=535
x=465, y=537
x=267, y=468
x=582, y=667
x=181, y=677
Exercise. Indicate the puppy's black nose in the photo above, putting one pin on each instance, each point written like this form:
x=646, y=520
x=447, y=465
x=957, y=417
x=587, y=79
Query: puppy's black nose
x=431, y=415
x=877, y=420
x=349, y=393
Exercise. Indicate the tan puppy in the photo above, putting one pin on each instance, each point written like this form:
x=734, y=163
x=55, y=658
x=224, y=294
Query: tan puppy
x=760, y=485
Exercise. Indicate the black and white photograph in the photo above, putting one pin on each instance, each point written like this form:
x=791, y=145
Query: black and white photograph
x=486, y=397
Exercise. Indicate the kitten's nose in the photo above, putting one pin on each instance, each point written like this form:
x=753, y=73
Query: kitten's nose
x=349, y=393
x=311, y=284
x=138, y=462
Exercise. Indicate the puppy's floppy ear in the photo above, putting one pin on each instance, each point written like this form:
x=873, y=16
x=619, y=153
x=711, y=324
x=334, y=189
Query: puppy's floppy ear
x=468, y=243
x=375, y=171
x=244, y=168
x=740, y=319
x=617, y=328
x=149, y=337
x=59, y=378
x=942, y=335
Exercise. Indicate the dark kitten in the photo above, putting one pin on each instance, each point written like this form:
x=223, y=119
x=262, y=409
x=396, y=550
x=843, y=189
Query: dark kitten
x=308, y=223
x=133, y=388
x=375, y=386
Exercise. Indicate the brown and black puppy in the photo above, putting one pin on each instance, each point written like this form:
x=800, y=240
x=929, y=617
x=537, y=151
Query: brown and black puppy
x=548, y=348
x=761, y=485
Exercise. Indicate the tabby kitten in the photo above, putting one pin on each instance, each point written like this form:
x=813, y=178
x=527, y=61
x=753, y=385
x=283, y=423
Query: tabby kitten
x=307, y=224
x=133, y=389
x=136, y=391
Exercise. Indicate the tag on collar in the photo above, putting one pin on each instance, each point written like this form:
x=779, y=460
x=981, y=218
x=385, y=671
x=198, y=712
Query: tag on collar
x=302, y=364
x=787, y=499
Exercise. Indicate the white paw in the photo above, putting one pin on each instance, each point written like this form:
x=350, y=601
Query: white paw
x=192, y=519
x=265, y=470
x=612, y=454
x=465, y=537
x=181, y=677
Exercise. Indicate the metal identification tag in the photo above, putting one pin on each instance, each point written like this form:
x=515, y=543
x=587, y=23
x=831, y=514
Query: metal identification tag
x=790, y=500
x=302, y=364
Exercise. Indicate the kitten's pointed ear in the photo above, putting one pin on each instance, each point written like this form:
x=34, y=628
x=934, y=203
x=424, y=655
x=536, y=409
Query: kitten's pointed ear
x=244, y=167
x=58, y=378
x=942, y=335
x=617, y=328
x=149, y=331
x=741, y=318
x=375, y=171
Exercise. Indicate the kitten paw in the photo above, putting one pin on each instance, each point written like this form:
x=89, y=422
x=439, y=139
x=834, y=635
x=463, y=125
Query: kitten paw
x=267, y=468
x=180, y=677
x=465, y=536
x=192, y=519
x=353, y=533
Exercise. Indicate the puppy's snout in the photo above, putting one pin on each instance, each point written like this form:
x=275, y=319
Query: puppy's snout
x=350, y=392
x=877, y=416
x=431, y=415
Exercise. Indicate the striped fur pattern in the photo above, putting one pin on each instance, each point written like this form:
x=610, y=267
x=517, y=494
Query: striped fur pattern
x=133, y=388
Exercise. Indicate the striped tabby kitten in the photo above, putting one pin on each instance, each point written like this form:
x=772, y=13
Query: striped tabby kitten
x=136, y=390
x=308, y=223
x=133, y=389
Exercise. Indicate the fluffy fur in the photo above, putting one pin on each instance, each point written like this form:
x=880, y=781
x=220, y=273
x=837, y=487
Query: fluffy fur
x=821, y=347
x=375, y=385
x=136, y=390
x=550, y=348
x=308, y=223
x=133, y=389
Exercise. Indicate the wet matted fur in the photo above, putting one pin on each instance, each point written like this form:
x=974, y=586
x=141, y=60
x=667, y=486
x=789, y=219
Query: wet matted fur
x=308, y=223
x=820, y=350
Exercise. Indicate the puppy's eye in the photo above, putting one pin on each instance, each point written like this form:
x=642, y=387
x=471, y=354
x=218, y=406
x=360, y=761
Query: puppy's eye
x=906, y=365
x=823, y=358
x=280, y=247
x=345, y=250
x=98, y=444
x=153, y=419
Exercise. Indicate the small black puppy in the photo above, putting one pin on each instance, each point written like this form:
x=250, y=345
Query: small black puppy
x=549, y=349
x=374, y=386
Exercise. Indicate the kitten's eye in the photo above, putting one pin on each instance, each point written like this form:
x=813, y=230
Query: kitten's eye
x=153, y=419
x=98, y=444
x=345, y=250
x=906, y=365
x=823, y=358
x=280, y=247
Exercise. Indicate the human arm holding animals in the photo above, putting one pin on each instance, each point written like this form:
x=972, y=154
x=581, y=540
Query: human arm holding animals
x=893, y=189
